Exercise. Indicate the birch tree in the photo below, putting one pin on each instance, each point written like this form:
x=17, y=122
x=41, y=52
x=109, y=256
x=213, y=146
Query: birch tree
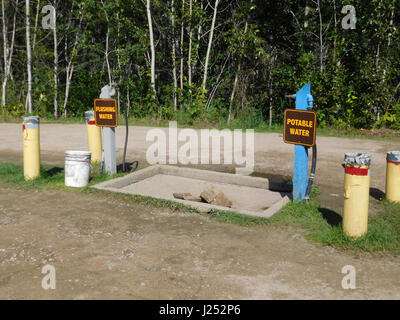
x=7, y=51
x=35, y=29
x=28, y=103
x=152, y=49
x=235, y=82
x=70, y=58
x=173, y=56
x=189, y=62
x=107, y=52
x=321, y=39
x=210, y=40
x=181, y=44
x=335, y=21
x=55, y=73
x=118, y=50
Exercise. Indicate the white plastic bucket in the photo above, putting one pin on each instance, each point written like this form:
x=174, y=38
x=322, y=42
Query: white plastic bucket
x=77, y=168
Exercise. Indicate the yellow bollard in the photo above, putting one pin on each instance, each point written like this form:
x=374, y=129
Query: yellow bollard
x=393, y=176
x=356, y=194
x=31, y=137
x=94, y=137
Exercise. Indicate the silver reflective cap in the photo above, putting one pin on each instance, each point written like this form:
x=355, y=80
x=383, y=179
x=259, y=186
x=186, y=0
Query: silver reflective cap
x=393, y=156
x=357, y=159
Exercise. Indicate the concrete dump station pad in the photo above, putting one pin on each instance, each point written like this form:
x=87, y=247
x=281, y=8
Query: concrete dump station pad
x=249, y=195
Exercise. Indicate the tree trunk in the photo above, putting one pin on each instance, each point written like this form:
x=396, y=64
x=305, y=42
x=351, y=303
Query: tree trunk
x=210, y=40
x=28, y=103
x=270, y=97
x=107, y=60
x=230, y=115
x=321, y=45
x=189, y=62
x=119, y=60
x=55, y=67
x=70, y=66
x=174, y=57
x=389, y=43
x=36, y=25
x=335, y=30
x=153, y=51
x=181, y=46
x=106, y=53
x=199, y=30
x=128, y=101
x=5, y=47
x=69, y=73
x=218, y=82
x=273, y=57
x=199, y=35
x=386, y=64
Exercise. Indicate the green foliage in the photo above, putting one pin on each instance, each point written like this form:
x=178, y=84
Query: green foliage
x=270, y=47
x=248, y=120
x=391, y=119
x=14, y=111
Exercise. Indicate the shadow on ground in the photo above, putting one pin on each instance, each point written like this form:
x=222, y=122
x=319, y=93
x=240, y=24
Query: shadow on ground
x=52, y=172
x=129, y=166
x=333, y=218
x=376, y=194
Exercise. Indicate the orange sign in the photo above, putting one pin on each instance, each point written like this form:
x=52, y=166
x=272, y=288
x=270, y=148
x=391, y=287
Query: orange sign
x=299, y=127
x=106, y=112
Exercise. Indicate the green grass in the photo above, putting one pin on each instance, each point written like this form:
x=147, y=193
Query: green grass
x=50, y=176
x=53, y=178
x=322, y=225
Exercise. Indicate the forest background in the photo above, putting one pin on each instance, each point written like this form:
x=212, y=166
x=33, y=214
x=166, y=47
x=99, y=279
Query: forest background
x=220, y=61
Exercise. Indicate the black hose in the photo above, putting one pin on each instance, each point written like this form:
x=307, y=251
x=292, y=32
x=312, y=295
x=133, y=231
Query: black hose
x=312, y=173
x=101, y=168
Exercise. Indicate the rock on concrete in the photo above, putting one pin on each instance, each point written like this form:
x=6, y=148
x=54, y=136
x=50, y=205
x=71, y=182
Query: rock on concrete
x=214, y=196
x=181, y=195
x=193, y=198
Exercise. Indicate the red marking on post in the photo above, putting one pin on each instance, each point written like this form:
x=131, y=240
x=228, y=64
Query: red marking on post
x=23, y=127
x=92, y=122
x=356, y=171
x=389, y=161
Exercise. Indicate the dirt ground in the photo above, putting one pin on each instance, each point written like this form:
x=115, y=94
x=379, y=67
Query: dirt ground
x=106, y=248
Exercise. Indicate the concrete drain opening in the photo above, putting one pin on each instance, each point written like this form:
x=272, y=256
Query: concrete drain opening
x=253, y=196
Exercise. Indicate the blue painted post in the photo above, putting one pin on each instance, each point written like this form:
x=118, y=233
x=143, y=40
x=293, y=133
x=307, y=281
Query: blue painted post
x=304, y=101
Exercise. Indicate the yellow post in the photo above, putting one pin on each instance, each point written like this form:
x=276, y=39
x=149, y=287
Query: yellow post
x=356, y=194
x=393, y=176
x=31, y=137
x=94, y=137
